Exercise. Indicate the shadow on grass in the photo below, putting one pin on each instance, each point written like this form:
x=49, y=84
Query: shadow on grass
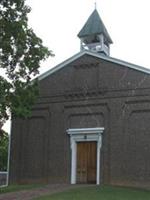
x=100, y=193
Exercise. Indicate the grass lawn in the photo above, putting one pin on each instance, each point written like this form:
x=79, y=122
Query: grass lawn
x=14, y=188
x=100, y=193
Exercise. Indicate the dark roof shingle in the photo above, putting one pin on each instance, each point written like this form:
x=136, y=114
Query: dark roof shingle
x=93, y=26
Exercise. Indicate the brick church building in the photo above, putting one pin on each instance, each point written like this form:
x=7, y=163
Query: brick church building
x=91, y=122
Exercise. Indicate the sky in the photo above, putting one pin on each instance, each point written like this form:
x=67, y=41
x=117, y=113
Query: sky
x=57, y=23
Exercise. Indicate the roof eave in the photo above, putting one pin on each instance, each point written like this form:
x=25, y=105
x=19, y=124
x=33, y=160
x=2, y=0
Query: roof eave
x=87, y=35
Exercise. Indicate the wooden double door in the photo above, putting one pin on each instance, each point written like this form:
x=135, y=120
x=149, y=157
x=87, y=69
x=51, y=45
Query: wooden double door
x=86, y=162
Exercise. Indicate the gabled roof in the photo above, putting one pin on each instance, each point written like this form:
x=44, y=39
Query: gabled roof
x=96, y=55
x=93, y=26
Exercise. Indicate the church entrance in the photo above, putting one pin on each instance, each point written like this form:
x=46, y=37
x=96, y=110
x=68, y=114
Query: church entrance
x=85, y=146
x=86, y=162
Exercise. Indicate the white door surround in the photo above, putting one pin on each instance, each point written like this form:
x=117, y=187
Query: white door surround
x=83, y=135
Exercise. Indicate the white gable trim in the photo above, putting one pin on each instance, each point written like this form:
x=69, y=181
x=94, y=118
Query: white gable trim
x=106, y=58
x=121, y=62
x=61, y=65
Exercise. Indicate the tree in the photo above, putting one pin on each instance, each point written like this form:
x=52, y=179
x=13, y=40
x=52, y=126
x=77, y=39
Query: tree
x=4, y=139
x=21, y=52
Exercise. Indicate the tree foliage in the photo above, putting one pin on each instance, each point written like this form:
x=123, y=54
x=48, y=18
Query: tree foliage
x=4, y=140
x=21, y=52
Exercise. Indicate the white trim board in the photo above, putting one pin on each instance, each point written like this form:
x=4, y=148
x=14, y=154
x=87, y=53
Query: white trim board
x=81, y=131
x=3, y=172
x=78, y=135
x=97, y=55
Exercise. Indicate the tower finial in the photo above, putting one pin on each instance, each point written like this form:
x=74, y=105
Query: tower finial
x=95, y=5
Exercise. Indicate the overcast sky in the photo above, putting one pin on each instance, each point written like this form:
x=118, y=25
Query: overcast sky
x=58, y=22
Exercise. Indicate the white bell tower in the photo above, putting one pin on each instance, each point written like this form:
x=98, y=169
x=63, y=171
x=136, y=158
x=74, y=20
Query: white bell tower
x=94, y=36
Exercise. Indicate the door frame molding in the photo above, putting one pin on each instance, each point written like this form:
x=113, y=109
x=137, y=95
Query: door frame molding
x=84, y=135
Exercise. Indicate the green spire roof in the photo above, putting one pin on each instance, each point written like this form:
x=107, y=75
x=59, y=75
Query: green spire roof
x=93, y=26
